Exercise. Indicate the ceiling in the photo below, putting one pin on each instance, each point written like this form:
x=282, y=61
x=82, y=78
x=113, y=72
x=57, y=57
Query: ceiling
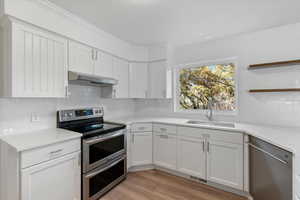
x=149, y=22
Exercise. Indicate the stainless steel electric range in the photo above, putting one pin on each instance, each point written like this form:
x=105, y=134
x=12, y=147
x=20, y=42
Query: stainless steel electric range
x=103, y=149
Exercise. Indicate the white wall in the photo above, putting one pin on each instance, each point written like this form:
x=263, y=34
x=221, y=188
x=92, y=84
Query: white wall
x=49, y=16
x=282, y=43
x=16, y=113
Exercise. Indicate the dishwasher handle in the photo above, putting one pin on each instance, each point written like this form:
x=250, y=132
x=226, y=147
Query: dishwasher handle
x=267, y=153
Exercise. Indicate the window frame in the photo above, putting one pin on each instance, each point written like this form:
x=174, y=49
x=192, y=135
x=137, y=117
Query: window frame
x=176, y=89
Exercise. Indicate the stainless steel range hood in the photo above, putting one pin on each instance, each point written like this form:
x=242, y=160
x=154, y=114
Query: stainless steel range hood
x=90, y=80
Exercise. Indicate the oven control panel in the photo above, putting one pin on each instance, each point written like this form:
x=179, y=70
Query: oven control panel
x=70, y=115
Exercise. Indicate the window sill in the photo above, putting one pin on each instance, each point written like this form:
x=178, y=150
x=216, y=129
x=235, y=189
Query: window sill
x=202, y=112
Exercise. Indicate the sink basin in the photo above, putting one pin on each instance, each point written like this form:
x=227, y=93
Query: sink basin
x=221, y=124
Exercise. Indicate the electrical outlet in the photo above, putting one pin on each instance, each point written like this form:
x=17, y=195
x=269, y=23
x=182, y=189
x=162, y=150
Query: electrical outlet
x=35, y=117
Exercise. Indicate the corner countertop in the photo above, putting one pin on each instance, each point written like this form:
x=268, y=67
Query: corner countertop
x=287, y=138
x=40, y=138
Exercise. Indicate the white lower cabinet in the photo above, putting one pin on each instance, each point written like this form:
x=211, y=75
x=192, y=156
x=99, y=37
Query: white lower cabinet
x=225, y=164
x=48, y=172
x=213, y=155
x=165, y=150
x=192, y=157
x=57, y=179
x=141, y=148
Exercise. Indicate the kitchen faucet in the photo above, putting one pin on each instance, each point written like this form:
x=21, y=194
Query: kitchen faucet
x=209, y=112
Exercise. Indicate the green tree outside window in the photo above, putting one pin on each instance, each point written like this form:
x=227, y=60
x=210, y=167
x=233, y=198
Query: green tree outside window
x=199, y=85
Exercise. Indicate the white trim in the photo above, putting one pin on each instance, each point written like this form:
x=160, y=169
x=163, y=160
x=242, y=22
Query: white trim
x=204, y=63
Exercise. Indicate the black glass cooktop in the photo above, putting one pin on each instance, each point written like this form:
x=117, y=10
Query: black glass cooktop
x=92, y=130
x=91, y=127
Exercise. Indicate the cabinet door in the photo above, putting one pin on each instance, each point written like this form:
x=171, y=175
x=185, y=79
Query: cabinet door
x=39, y=63
x=225, y=163
x=81, y=58
x=59, y=179
x=103, y=64
x=141, y=148
x=138, y=85
x=121, y=73
x=160, y=82
x=165, y=151
x=192, y=157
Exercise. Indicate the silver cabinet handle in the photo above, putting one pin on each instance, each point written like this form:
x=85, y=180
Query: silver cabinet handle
x=93, y=56
x=132, y=138
x=67, y=91
x=101, y=138
x=163, y=129
x=164, y=136
x=267, y=153
x=203, y=146
x=57, y=151
x=114, y=93
x=91, y=175
x=208, y=147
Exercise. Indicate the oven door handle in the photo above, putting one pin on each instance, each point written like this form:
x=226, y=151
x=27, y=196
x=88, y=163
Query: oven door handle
x=103, y=169
x=100, y=139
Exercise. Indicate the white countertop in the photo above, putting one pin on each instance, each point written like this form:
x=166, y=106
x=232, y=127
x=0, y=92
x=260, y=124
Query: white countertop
x=35, y=139
x=287, y=138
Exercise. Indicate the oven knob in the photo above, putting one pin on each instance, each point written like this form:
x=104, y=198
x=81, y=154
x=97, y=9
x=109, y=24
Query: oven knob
x=70, y=114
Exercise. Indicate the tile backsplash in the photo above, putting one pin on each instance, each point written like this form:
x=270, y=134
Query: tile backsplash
x=15, y=114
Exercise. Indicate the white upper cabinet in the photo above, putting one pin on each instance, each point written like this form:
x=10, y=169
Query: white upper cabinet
x=160, y=80
x=81, y=58
x=121, y=73
x=103, y=64
x=138, y=83
x=34, y=62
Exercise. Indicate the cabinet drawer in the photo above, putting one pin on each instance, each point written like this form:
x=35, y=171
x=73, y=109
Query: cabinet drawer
x=163, y=128
x=141, y=127
x=211, y=134
x=226, y=136
x=39, y=155
x=191, y=132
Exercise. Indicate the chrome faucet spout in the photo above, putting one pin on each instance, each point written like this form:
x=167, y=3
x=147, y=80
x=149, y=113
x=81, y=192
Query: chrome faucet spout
x=209, y=113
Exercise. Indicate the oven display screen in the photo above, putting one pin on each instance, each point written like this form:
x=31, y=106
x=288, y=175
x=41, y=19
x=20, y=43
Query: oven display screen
x=82, y=113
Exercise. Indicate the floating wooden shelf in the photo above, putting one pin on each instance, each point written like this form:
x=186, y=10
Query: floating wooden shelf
x=275, y=64
x=275, y=90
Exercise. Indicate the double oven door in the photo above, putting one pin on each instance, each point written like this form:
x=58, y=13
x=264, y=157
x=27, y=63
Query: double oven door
x=104, y=163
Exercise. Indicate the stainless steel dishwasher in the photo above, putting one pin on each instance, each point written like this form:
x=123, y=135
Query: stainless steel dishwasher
x=271, y=175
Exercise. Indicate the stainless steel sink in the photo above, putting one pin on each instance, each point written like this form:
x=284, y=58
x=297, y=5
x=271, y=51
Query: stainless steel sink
x=221, y=124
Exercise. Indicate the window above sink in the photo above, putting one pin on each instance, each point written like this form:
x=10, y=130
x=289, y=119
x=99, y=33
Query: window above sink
x=201, y=85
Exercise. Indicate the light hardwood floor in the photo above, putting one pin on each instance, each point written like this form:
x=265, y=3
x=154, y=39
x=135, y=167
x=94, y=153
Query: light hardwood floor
x=157, y=185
